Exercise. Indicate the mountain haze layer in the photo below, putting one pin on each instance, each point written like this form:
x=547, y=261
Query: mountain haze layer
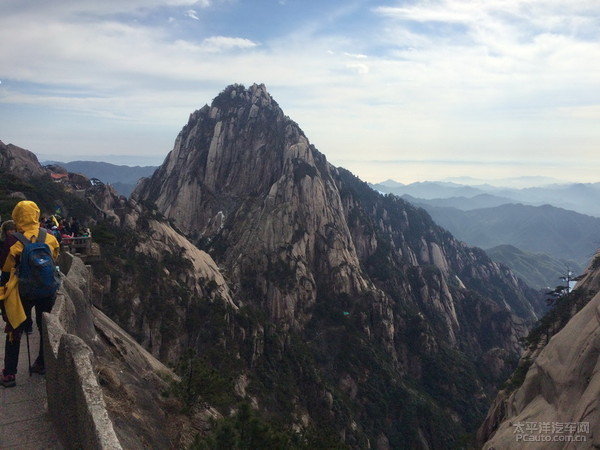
x=563, y=240
x=560, y=233
x=122, y=178
x=583, y=198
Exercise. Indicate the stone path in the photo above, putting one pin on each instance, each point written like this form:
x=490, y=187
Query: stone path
x=24, y=420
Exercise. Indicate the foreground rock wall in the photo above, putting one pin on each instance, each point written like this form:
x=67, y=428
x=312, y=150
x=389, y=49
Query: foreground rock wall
x=562, y=387
x=557, y=404
x=75, y=401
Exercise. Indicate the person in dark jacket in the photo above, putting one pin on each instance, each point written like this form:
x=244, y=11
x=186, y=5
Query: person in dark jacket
x=6, y=230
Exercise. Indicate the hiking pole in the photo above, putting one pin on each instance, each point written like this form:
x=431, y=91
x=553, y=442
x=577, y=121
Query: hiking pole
x=28, y=353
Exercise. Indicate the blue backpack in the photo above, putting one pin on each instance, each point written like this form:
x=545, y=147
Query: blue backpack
x=38, y=277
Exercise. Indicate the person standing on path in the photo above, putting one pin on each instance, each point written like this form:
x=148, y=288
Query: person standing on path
x=18, y=303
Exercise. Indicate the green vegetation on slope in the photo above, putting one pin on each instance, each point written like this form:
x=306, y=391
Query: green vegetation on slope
x=246, y=429
x=538, y=270
x=48, y=195
x=557, y=232
x=557, y=317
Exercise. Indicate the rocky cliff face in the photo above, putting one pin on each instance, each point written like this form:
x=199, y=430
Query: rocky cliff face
x=151, y=279
x=556, y=406
x=24, y=178
x=19, y=162
x=244, y=174
x=378, y=301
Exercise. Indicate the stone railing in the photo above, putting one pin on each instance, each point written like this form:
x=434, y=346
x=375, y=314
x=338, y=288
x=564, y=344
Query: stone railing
x=75, y=401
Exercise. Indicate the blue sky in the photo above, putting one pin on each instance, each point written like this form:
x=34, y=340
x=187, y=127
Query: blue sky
x=409, y=90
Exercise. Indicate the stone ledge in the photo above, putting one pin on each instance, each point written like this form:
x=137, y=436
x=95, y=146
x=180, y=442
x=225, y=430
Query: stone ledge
x=75, y=401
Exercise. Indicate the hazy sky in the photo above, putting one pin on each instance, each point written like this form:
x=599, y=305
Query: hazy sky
x=409, y=90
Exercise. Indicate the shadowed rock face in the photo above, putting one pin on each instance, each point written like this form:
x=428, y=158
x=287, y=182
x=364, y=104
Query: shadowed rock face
x=309, y=244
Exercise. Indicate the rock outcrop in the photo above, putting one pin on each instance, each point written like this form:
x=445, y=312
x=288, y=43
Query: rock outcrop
x=557, y=404
x=163, y=278
x=20, y=162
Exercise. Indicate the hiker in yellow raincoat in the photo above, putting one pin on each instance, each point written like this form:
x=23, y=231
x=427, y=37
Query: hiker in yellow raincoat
x=15, y=310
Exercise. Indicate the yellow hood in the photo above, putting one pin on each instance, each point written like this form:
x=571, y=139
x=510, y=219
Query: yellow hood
x=26, y=216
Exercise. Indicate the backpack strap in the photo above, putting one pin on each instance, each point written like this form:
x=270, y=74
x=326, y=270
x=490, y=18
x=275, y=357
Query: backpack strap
x=21, y=237
x=41, y=237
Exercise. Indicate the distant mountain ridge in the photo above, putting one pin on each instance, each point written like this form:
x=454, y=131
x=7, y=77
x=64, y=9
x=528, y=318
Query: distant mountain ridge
x=546, y=229
x=542, y=239
x=461, y=203
x=583, y=198
x=123, y=178
x=512, y=182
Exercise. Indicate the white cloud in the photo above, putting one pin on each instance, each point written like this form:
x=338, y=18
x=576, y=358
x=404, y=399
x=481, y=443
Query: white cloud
x=192, y=14
x=355, y=55
x=457, y=12
x=218, y=43
x=506, y=45
x=359, y=68
x=522, y=17
x=506, y=76
x=74, y=9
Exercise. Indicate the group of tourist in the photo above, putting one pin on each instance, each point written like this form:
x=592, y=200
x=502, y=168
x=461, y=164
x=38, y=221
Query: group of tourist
x=64, y=228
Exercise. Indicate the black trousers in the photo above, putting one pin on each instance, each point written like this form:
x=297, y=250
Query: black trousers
x=13, y=337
